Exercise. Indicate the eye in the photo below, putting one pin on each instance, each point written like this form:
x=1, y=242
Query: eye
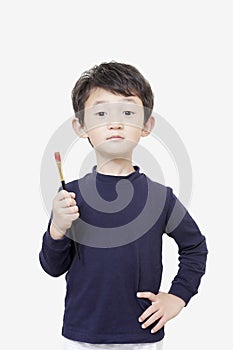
x=101, y=114
x=128, y=113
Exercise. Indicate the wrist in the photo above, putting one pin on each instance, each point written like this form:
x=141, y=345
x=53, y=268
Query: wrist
x=55, y=233
x=178, y=299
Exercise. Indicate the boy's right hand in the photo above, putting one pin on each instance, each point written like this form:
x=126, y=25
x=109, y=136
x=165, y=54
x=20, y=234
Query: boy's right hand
x=65, y=211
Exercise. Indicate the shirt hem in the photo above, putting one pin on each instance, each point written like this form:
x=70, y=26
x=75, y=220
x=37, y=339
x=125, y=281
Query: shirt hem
x=132, y=338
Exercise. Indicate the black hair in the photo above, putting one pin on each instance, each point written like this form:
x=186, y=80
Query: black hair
x=118, y=78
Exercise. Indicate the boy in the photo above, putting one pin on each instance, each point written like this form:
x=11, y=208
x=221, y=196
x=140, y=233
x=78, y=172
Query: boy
x=113, y=298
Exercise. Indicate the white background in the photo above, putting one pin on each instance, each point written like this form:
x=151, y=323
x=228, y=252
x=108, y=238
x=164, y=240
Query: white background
x=184, y=48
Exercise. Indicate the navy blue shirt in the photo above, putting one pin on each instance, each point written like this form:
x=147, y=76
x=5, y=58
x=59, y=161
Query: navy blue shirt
x=119, y=233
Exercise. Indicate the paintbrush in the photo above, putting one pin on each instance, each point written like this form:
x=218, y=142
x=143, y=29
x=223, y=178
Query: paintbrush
x=63, y=184
x=59, y=166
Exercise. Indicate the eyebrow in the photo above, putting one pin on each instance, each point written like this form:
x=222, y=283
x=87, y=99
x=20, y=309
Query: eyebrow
x=121, y=100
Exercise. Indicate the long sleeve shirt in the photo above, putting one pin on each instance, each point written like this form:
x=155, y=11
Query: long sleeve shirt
x=119, y=233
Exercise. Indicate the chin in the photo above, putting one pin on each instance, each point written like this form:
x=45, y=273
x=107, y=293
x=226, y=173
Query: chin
x=116, y=148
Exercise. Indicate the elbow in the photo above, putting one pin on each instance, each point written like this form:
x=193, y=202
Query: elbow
x=49, y=268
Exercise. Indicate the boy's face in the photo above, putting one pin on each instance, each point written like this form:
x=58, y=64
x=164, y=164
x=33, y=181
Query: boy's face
x=114, y=123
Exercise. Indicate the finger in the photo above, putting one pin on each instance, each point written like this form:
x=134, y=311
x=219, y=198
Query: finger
x=157, y=315
x=159, y=325
x=149, y=311
x=151, y=296
x=65, y=194
x=62, y=194
x=74, y=217
x=67, y=202
x=69, y=210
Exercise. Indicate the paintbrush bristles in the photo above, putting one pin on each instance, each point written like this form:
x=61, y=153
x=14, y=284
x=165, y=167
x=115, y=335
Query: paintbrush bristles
x=57, y=156
x=58, y=161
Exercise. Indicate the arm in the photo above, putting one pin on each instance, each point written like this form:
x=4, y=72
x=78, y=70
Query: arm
x=192, y=250
x=192, y=256
x=57, y=250
x=55, y=255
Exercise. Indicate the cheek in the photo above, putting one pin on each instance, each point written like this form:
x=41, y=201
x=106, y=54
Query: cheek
x=134, y=133
x=96, y=136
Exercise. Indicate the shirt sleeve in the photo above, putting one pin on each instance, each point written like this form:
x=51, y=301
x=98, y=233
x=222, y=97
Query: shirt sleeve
x=56, y=255
x=192, y=249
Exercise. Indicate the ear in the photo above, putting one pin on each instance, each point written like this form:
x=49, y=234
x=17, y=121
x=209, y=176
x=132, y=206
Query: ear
x=78, y=128
x=148, y=126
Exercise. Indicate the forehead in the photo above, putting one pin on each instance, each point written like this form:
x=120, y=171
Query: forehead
x=100, y=96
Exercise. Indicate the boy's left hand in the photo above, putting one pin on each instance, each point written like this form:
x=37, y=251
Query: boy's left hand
x=164, y=306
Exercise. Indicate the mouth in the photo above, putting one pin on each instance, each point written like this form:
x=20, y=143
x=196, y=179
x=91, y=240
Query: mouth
x=115, y=137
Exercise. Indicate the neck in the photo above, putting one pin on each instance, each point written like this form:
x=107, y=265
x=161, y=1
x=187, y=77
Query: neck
x=114, y=166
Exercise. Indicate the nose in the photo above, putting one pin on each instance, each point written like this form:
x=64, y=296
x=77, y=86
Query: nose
x=115, y=125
